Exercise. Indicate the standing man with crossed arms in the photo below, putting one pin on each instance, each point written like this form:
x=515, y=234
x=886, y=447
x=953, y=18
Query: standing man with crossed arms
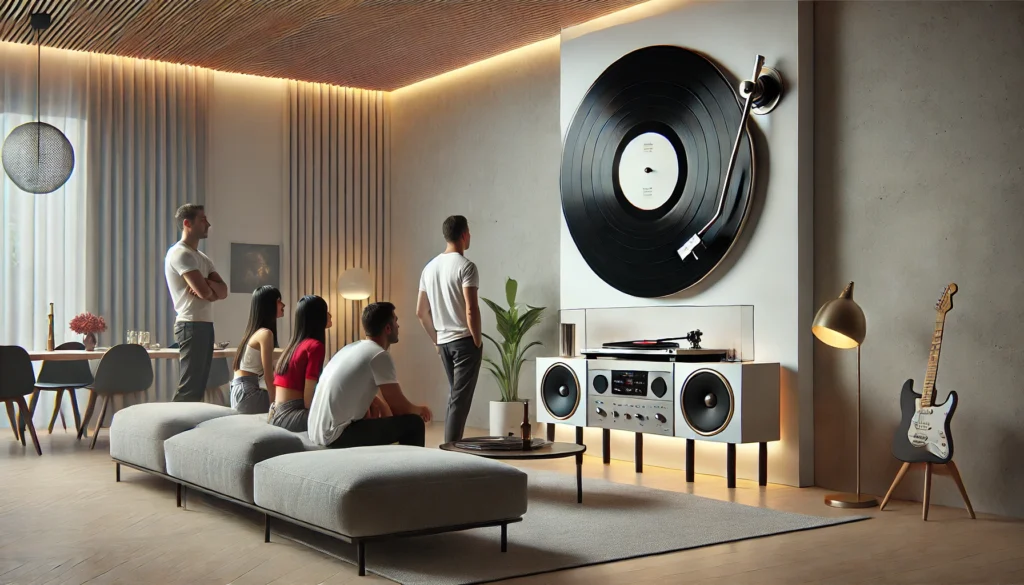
x=194, y=285
x=449, y=311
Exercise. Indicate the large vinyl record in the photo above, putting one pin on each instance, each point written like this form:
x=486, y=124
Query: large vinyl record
x=643, y=164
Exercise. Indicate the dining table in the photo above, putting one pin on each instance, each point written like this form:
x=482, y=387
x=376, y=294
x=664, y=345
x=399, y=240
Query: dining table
x=99, y=352
x=95, y=354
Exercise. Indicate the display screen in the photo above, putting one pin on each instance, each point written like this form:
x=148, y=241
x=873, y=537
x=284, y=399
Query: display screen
x=629, y=383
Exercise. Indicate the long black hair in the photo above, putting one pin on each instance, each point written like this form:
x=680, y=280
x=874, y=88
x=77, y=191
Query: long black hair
x=262, y=315
x=310, y=323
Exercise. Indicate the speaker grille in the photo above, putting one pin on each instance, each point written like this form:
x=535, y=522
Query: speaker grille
x=707, y=402
x=560, y=391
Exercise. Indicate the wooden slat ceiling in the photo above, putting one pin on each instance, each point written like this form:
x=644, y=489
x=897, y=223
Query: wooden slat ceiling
x=370, y=44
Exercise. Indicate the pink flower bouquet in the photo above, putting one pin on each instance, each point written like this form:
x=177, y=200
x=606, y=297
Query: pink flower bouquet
x=86, y=323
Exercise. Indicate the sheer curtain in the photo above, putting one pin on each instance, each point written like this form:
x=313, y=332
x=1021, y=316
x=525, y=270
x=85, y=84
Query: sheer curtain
x=98, y=243
x=42, y=237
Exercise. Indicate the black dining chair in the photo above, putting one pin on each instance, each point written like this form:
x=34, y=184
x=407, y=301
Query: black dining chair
x=17, y=380
x=124, y=369
x=59, y=376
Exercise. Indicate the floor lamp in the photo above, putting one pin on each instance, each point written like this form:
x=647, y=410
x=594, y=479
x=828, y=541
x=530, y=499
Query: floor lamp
x=356, y=284
x=840, y=323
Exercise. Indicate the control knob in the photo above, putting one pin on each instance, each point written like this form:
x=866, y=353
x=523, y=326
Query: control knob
x=600, y=411
x=660, y=418
x=640, y=417
x=615, y=414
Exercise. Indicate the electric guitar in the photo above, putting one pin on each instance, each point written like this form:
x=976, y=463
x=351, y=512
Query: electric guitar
x=923, y=435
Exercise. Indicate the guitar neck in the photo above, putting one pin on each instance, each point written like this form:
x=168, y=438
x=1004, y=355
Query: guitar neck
x=933, y=361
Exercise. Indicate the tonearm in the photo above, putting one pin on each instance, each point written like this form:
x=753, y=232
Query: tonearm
x=762, y=94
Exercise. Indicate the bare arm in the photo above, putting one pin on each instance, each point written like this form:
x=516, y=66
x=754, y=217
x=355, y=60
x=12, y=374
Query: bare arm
x=199, y=285
x=218, y=285
x=307, y=393
x=266, y=341
x=400, y=404
x=423, y=314
x=473, y=313
x=378, y=408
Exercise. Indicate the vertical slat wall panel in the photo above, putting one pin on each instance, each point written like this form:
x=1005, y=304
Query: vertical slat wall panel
x=338, y=202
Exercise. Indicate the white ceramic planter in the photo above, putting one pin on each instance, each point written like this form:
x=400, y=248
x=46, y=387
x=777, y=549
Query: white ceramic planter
x=506, y=418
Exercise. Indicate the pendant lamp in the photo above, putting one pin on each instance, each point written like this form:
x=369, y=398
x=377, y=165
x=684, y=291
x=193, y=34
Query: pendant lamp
x=37, y=156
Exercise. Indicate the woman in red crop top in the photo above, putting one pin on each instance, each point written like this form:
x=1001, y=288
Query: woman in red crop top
x=299, y=367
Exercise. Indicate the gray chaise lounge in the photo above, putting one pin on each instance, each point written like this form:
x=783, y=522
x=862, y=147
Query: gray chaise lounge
x=357, y=495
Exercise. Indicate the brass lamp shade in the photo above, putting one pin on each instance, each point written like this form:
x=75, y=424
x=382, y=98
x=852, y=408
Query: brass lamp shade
x=840, y=322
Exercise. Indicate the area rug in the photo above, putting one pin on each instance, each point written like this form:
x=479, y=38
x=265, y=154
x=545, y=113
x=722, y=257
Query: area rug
x=615, y=522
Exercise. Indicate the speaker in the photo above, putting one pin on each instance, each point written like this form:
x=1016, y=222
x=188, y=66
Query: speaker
x=561, y=391
x=727, y=402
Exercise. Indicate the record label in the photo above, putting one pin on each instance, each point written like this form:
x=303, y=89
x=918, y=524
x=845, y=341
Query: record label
x=648, y=171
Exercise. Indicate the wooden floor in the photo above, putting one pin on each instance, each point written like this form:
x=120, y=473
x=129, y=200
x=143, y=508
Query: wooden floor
x=64, y=520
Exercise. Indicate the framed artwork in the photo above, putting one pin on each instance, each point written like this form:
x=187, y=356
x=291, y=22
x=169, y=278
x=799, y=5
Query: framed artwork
x=253, y=266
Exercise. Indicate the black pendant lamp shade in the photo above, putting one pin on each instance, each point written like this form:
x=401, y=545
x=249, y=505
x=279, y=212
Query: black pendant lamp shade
x=37, y=156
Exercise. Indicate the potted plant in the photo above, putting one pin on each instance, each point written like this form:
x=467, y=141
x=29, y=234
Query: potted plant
x=506, y=414
x=88, y=325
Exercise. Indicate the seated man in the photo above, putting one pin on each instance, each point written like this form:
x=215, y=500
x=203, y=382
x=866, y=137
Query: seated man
x=346, y=410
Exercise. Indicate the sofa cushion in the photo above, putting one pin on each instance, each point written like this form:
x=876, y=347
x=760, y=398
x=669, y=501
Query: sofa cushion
x=372, y=491
x=219, y=454
x=138, y=432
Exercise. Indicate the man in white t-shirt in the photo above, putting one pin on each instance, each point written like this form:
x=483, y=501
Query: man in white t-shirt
x=449, y=311
x=194, y=285
x=358, y=400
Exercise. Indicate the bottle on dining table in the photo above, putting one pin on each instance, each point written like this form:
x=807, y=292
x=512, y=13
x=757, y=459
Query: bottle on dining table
x=49, y=330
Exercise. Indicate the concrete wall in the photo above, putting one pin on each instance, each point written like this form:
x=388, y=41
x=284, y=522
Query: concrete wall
x=482, y=142
x=919, y=170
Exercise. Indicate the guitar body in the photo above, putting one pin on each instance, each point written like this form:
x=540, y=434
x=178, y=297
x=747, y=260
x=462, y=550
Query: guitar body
x=923, y=435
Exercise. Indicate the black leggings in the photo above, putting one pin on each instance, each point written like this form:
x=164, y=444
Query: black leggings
x=405, y=429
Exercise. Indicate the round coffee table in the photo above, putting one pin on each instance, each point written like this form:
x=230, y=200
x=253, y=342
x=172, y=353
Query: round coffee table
x=549, y=451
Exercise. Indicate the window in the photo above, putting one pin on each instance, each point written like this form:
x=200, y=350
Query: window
x=43, y=248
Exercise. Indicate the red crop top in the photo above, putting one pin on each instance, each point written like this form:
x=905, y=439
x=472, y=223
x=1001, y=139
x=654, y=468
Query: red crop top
x=306, y=362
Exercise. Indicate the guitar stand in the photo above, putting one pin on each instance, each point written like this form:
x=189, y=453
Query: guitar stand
x=953, y=471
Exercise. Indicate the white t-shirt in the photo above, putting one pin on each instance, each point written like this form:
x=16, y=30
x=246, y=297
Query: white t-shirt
x=443, y=279
x=347, y=387
x=179, y=260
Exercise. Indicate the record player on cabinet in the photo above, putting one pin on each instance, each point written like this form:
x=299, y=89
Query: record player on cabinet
x=667, y=385
x=664, y=349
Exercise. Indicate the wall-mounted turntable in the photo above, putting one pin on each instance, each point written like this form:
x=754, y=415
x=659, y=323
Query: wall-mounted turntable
x=658, y=168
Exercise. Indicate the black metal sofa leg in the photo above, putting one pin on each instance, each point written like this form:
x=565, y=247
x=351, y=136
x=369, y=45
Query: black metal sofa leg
x=361, y=557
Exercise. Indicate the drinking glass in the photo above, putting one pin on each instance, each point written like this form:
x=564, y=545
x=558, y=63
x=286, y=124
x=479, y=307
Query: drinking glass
x=131, y=336
x=144, y=339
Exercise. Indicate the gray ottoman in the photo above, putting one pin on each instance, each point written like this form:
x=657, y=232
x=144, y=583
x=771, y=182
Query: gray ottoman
x=369, y=493
x=219, y=455
x=137, y=433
